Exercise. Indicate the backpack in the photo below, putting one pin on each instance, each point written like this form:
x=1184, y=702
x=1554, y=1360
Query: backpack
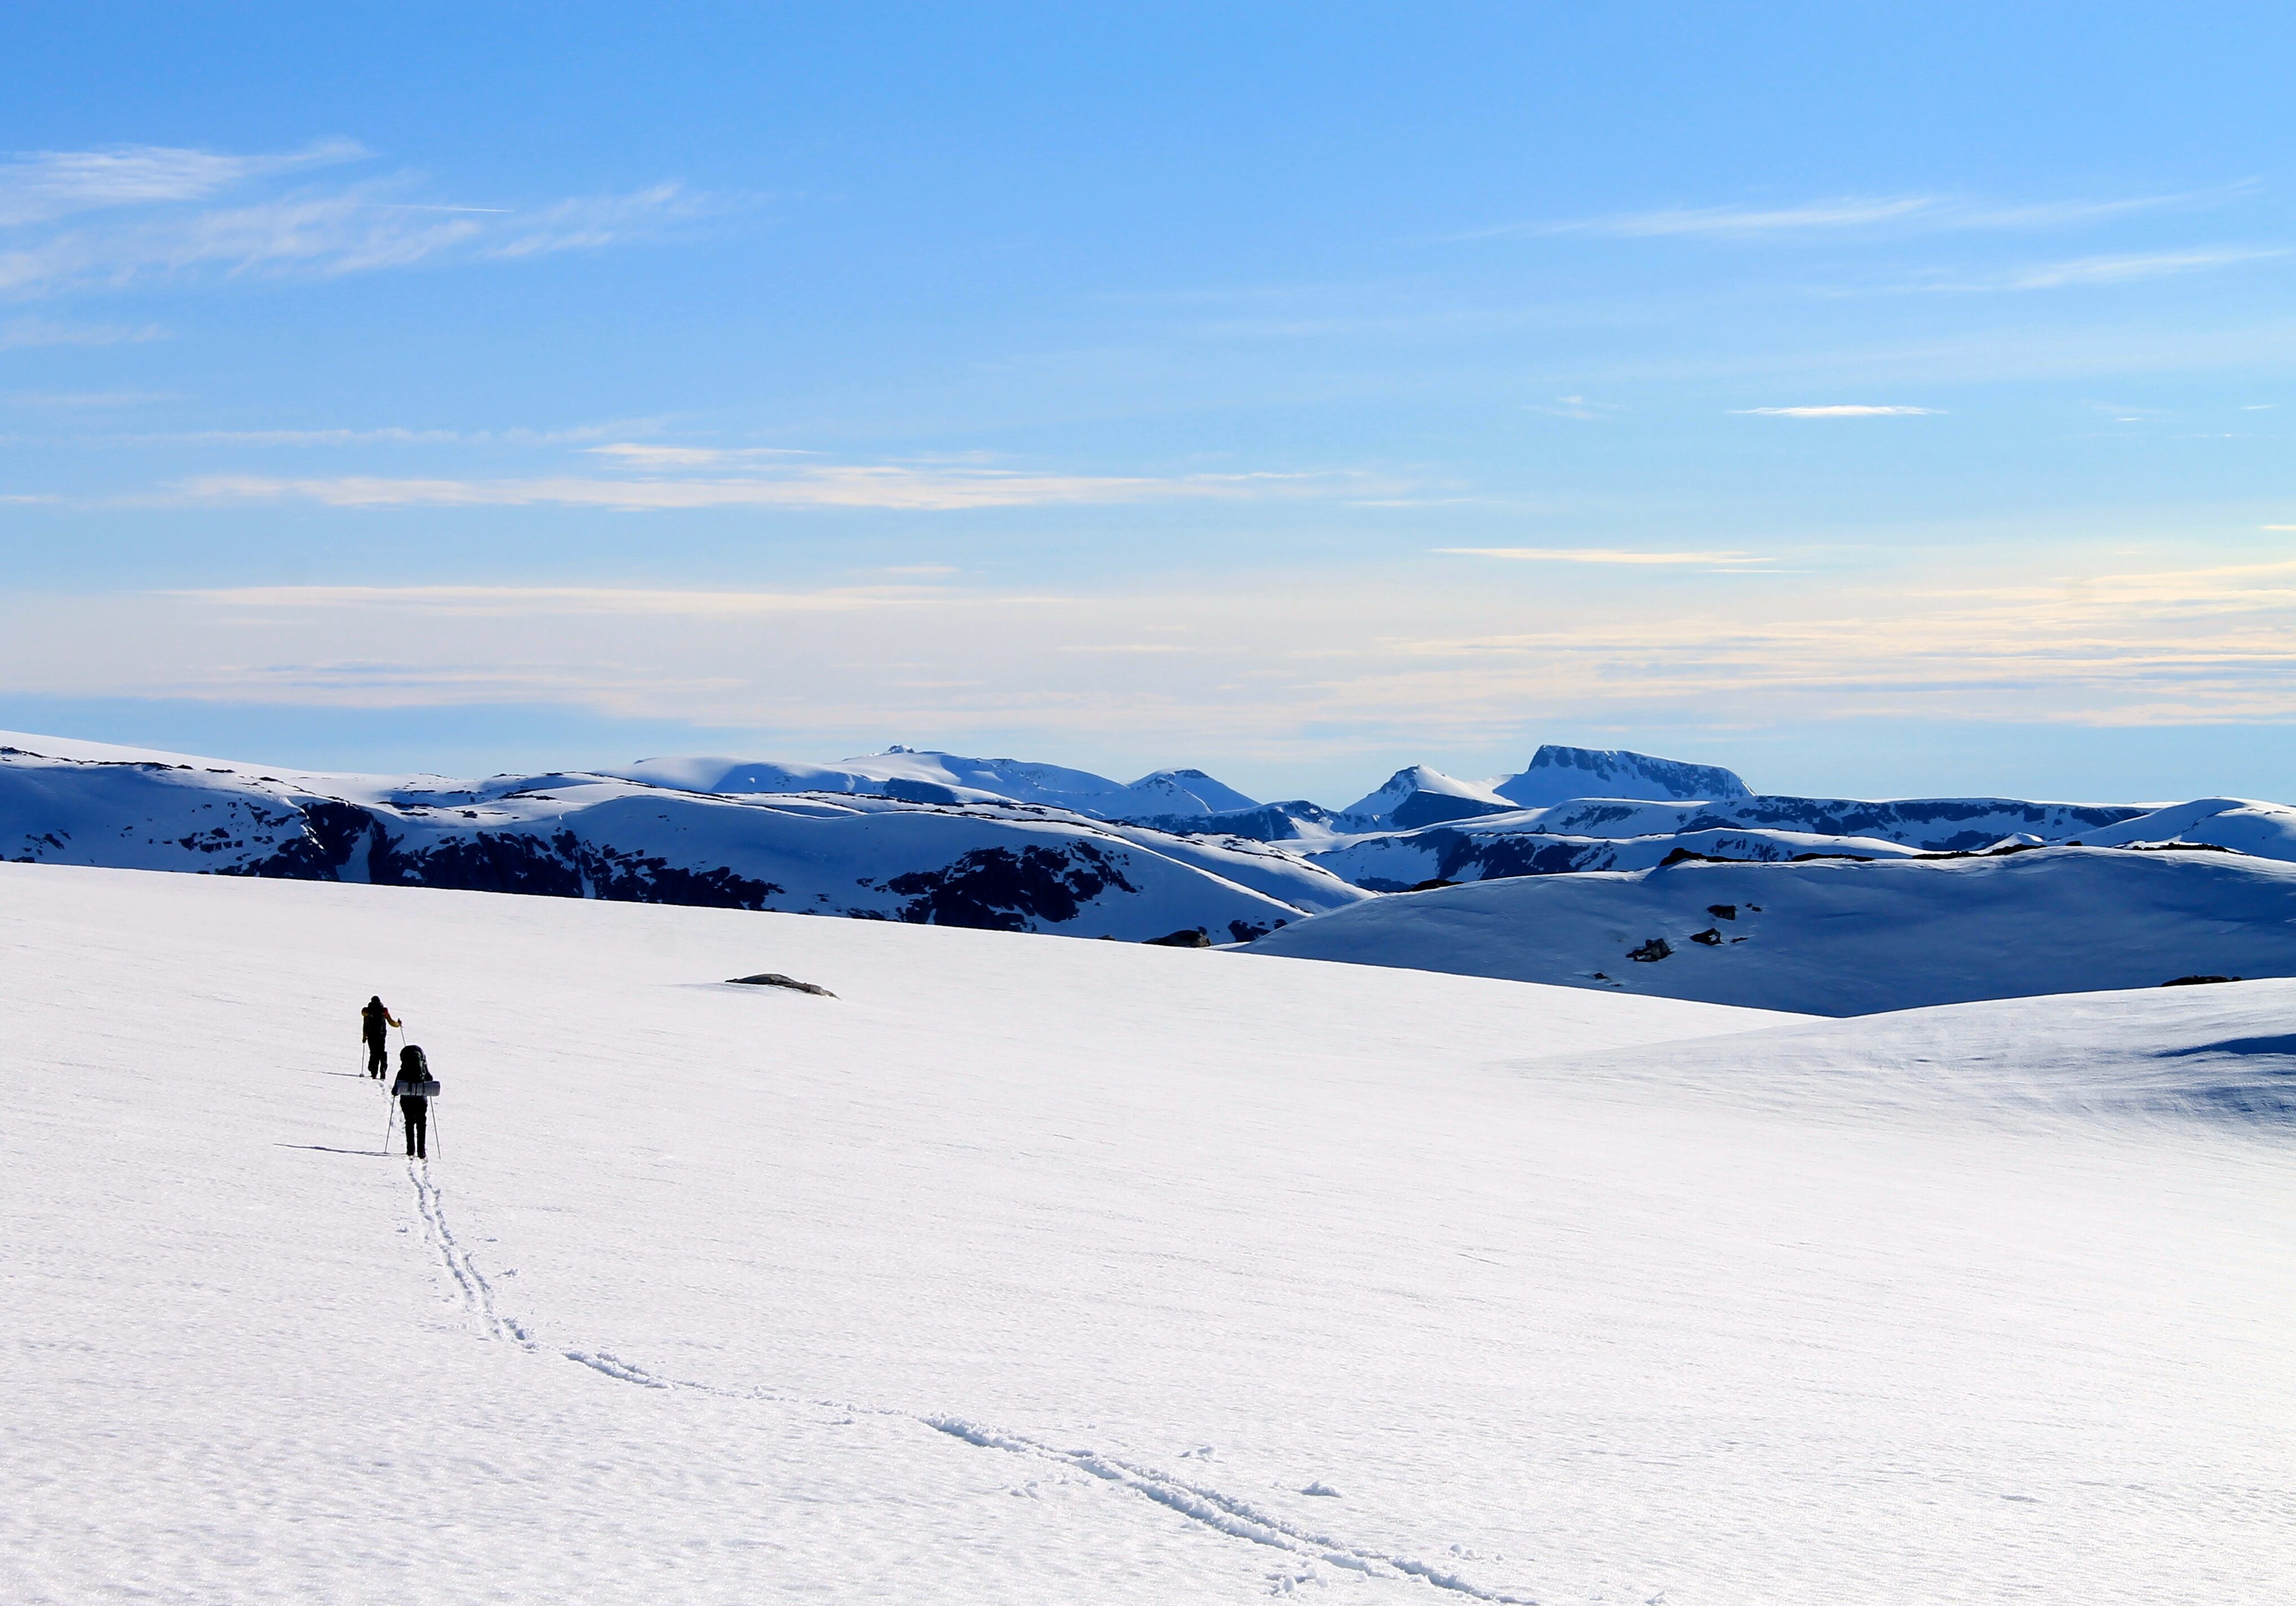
x=416, y=1080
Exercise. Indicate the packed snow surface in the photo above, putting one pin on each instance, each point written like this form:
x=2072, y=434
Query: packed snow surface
x=1843, y=935
x=1030, y=1271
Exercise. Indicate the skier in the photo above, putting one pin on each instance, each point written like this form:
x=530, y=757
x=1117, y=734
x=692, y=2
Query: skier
x=375, y=1021
x=414, y=1088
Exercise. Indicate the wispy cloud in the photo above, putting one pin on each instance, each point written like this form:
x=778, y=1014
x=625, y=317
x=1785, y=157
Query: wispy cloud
x=640, y=454
x=2124, y=269
x=848, y=485
x=1847, y=213
x=36, y=186
x=1605, y=555
x=382, y=435
x=507, y=600
x=1292, y=658
x=1839, y=410
x=166, y=217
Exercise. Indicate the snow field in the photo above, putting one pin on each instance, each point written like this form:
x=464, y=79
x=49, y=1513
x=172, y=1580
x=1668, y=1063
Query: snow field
x=1034, y=1269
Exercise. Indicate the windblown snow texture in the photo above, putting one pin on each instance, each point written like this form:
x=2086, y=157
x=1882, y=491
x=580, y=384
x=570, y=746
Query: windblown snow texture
x=1026, y=1271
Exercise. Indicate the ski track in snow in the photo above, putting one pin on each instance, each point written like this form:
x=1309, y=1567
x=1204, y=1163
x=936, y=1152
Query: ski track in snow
x=1221, y=1513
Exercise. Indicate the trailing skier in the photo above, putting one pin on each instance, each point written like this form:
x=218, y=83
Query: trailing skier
x=374, y=1023
x=414, y=1090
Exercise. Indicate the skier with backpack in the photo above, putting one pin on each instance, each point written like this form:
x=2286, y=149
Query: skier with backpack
x=375, y=1024
x=414, y=1089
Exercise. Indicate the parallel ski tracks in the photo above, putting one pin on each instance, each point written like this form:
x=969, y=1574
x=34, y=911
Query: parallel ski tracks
x=1209, y=1507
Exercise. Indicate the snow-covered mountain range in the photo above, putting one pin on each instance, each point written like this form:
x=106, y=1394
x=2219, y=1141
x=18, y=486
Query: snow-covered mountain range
x=940, y=839
x=992, y=863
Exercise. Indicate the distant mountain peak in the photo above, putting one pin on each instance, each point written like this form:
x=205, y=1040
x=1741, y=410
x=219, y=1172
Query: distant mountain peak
x=1559, y=775
x=1416, y=795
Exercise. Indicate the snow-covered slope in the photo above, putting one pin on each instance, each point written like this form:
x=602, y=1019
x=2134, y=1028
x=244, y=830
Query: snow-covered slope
x=1024, y=1271
x=1509, y=845
x=933, y=777
x=1841, y=937
x=1557, y=775
x=1611, y=833
x=998, y=866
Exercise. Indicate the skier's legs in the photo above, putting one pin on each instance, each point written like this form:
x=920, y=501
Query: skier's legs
x=377, y=1052
x=410, y=1110
x=421, y=1129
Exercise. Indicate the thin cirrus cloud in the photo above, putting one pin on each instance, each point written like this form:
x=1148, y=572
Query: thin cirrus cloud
x=643, y=454
x=898, y=487
x=1849, y=213
x=36, y=186
x=1839, y=410
x=507, y=601
x=112, y=218
x=1606, y=554
x=2128, y=268
x=2114, y=648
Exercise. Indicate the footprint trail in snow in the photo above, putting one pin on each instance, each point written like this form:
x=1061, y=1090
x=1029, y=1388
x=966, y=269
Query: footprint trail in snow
x=1220, y=1512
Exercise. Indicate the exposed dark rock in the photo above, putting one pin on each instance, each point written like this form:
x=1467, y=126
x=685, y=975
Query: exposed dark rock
x=1712, y=938
x=1651, y=952
x=1723, y=911
x=775, y=979
x=1192, y=937
x=2198, y=980
x=1243, y=930
x=997, y=889
x=1430, y=886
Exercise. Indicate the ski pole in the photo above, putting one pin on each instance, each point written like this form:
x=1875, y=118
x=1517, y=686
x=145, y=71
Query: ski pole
x=386, y=1127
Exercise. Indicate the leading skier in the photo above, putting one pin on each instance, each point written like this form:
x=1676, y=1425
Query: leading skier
x=375, y=1022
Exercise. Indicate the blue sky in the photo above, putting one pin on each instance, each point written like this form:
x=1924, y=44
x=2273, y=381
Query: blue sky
x=1878, y=399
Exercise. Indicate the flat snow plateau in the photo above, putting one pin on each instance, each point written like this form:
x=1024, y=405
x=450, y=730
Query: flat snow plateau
x=1041, y=1270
